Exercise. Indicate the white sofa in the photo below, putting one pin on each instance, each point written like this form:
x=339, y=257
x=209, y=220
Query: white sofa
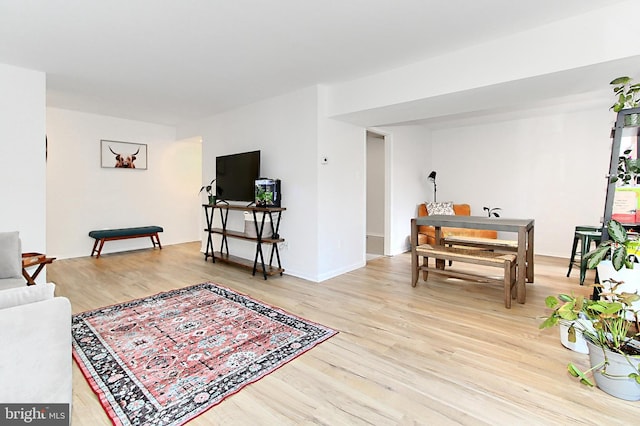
x=35, y=343
x=35, y=354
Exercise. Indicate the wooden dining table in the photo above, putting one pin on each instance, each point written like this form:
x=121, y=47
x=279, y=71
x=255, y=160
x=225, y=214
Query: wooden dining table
x=524, y=228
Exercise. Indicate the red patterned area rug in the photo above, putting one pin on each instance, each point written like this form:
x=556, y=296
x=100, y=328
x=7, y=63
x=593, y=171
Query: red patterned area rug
x=167, y=358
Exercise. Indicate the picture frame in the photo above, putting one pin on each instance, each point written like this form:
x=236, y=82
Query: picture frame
x=123, y=155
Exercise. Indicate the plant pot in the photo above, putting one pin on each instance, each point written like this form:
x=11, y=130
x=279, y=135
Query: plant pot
x=616, y=381
x=629, y=277
x=572, y=338
x=212, y=199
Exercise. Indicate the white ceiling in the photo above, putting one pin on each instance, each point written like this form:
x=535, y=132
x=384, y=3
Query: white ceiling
x=170, y=61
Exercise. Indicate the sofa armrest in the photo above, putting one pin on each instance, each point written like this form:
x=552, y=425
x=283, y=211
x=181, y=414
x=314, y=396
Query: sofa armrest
x=24, y=294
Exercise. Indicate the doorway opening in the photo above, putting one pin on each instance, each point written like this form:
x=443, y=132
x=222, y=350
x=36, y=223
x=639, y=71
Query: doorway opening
x=376, y=195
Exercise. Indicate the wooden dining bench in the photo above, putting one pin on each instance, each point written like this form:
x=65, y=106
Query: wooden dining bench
x=103, y=235
x=501, y=246
x=506, y=261
x=483, y=243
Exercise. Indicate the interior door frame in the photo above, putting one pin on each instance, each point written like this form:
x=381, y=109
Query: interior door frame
x=387, y=138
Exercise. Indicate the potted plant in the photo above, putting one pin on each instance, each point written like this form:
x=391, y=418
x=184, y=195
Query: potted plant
x=609, y=325
x=628, y=96
x=612, y=340
x=614, y=260
x=619, y=248
x=571, y=321
x=209, y=188
x=492, y=211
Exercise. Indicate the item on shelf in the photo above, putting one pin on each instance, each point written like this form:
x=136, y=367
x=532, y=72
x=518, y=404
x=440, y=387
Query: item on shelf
x=626, y=204
x=210, y=194
x=268, y=192
x=250, y=224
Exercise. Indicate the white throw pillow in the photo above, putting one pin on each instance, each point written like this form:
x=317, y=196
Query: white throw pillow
x=10, y=256
x=27, y=294
x=445, y=208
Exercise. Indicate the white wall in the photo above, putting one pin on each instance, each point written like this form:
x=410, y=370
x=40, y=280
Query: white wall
x=341, y=194
x=550, y=168
x=22, y=156
x=284, y=129
x=324, y=224
x=82, y=196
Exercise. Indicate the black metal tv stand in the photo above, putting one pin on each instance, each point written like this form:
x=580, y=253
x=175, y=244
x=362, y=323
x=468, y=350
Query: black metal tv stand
x=272, y=240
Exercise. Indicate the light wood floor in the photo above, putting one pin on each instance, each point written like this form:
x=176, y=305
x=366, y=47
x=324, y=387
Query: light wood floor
x=445, y=352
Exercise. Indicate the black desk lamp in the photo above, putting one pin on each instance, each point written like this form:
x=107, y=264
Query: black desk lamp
x=432, y=178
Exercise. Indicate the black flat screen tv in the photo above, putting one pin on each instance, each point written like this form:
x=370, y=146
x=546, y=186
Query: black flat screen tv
x=236, y=175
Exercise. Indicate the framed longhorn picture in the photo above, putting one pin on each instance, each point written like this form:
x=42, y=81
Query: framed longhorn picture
x=123, y=155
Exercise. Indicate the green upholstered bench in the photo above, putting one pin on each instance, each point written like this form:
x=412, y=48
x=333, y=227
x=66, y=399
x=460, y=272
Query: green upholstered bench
x=103, y=235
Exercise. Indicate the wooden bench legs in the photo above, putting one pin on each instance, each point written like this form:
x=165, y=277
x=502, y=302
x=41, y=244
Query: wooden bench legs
x=101, y=241
x=156, y=242
x=510, y=288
